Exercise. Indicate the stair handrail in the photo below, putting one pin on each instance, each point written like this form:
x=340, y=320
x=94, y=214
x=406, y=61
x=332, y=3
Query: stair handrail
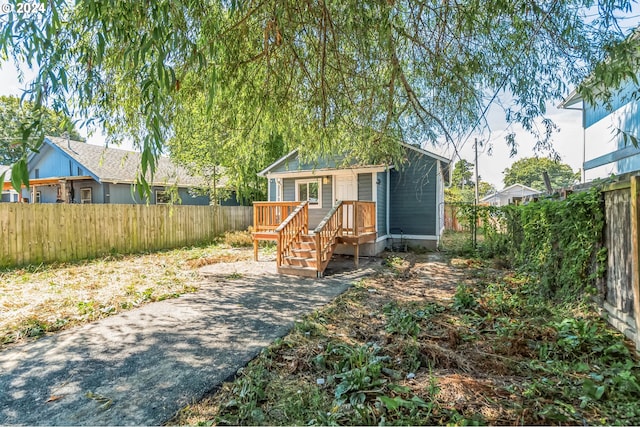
x=289, y=231
x=326, y=234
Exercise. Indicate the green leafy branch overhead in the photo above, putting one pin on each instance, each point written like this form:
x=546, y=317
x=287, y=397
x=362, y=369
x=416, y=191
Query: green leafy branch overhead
x=350, y=77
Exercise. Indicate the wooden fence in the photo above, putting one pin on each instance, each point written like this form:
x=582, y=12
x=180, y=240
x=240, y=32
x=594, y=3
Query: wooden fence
x=36, y=233
x=620, y=290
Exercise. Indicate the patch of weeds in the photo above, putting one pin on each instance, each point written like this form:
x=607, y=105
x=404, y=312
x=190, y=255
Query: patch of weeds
x=234, y=276
x=401, y=321
x=464, y=298
x=87, y=309
x=238, y=239
x=34, y=327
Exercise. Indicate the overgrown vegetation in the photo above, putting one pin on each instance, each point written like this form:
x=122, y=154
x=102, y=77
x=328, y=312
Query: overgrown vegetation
x=557, y=242
x=424, y=342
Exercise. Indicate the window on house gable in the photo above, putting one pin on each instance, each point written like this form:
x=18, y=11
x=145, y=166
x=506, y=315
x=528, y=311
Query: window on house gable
x=309, y=190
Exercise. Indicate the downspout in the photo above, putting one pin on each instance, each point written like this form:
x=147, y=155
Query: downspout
x=388, y=198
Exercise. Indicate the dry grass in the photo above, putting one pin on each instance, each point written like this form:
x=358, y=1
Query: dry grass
x=42, y=299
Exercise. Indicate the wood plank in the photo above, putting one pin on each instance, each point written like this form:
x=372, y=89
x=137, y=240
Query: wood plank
x=635, y=252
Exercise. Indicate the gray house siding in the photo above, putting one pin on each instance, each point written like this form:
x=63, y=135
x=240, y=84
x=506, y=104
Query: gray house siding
x=288, y=190
x=294, y=164
x=364, y=187
x=381, y=204
x=413, y=197
x=315, y=214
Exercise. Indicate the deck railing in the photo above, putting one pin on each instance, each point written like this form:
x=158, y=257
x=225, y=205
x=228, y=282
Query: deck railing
x=359, y=217
x=296, y=224
x=267, y=216
x=326, y=234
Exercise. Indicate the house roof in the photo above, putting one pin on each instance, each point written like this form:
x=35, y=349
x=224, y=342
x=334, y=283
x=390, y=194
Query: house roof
x=522, y=188
x=293, y=153
x=107, y=164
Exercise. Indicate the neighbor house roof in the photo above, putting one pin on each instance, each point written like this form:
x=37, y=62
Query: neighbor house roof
x=508, y=190
x=114, y=165
x=293, y=153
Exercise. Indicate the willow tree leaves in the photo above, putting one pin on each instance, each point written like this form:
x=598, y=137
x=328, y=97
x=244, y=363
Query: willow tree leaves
x=341, y=76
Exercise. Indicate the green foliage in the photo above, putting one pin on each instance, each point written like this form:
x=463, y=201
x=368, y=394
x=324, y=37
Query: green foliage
x=528, y=172
x=462, y=189
x=347, y=77
x=18, y=119
x=557, y=241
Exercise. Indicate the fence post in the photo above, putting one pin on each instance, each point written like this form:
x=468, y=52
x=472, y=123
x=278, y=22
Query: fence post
x=635, y=252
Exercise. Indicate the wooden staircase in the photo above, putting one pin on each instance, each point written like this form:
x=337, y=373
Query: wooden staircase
x=302, y=260
x=304, y=253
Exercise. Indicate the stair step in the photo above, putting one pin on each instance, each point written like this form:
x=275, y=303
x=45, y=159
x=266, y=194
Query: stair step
x=310, y=246
x=304, y=252
x=300, y=261
x=308, y=238
x=298, y=271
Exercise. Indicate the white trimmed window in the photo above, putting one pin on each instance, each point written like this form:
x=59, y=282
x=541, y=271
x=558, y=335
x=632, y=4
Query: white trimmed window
x=37, y=197
x=309, y=190
x=85, y=195
x=162, y=197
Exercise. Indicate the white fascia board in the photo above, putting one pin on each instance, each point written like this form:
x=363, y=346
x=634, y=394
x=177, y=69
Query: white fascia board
x=326, y=171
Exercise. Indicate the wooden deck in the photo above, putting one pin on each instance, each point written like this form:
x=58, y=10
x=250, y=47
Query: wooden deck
x=307, y=254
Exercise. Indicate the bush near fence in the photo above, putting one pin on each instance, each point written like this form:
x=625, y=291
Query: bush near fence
x=37, y=233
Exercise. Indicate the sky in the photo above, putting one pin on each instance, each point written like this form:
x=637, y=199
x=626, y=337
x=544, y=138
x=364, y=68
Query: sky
x=567, y=142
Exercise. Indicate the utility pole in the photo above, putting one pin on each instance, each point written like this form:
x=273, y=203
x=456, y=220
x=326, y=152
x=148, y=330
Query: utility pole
x=476, y=164
x=476, y=200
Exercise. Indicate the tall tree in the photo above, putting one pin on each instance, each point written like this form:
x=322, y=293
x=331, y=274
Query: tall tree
x=462, y=188
x=528, y=171
x=202, y=144
x=462, y=175
x=348, y=76
x=16, y=117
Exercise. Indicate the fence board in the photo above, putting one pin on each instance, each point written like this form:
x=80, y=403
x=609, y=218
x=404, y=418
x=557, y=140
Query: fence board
x=34, y=233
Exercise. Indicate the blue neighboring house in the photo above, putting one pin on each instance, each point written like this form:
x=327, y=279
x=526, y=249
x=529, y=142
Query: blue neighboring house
x=68, y=171
x=605, y=149
x=409, y=198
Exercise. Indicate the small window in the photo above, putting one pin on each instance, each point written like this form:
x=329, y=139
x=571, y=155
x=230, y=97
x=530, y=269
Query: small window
x=311, y=191
x=36, y=174
x=79, y=171
x=162, y=197
x=85, y=195
x=37, y=198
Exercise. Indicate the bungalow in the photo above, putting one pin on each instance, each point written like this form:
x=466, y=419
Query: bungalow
x=68, y=171
x=381, y=205
x=511, y=195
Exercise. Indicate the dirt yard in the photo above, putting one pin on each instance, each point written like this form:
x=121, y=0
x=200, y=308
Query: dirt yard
x=432, y=340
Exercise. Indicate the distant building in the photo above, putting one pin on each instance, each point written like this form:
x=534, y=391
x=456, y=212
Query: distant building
x=8, y=193
x=511, y=195
x=68, y=171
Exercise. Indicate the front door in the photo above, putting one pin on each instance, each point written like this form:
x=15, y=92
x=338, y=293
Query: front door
x=346, y=189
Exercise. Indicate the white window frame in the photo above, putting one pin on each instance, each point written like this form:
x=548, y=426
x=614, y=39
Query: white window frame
x=83, y=199
x=162, y=193
x=298, y=182
x=37, y=197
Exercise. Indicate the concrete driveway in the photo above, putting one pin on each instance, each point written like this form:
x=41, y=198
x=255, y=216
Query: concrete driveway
x=141, y=366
